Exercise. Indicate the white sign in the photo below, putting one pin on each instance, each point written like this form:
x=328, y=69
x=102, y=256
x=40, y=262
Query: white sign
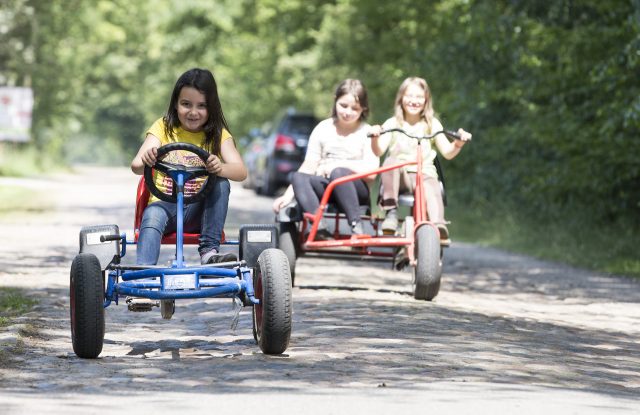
x=259, y=236
x=180, y=282
x=16, y=105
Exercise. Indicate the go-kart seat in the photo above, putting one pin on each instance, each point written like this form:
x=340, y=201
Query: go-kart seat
x=406, y=199
x=142, y=198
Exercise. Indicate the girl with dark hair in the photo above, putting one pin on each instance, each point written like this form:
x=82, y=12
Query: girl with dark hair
x=338, y=146
x=194, y=116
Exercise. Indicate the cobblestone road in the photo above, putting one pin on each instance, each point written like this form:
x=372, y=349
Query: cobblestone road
x=506, y=333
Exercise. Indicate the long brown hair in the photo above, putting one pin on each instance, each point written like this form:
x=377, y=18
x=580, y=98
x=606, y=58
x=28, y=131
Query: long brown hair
x=356, y=88
x=203, y=81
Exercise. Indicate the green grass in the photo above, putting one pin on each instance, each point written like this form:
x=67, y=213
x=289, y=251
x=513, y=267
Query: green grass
x=26, y=160
x=18, y=199
x=13, y=303
x=20, y=161
x=574, y=240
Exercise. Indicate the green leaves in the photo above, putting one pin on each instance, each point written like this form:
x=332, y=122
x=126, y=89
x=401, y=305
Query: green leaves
x=549, y=89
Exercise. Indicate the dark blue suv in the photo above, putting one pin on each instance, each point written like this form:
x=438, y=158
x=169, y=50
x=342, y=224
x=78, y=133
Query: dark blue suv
x=282, y=152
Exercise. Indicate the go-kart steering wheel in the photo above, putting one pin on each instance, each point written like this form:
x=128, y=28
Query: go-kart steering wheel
x=191, y=172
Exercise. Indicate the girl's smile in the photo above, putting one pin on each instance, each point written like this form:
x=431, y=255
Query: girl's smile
x=413, y=100
x=192, y=109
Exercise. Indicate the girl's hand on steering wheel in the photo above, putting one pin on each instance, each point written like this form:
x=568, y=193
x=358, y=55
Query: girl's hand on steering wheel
x=150, y=157
x=214, y=165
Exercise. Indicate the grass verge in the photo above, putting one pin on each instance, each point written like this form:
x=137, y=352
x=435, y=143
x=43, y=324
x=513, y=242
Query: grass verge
x=13, y=303
x=573, y=240
x=22, y=161
x=18, y=199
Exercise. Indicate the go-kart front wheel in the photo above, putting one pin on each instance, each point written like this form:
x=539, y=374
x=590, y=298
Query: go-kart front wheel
x=86, y=292
x=272, y=317
x=428, y=270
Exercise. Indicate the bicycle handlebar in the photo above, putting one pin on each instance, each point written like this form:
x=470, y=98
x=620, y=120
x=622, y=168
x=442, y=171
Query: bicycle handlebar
x=450, y=134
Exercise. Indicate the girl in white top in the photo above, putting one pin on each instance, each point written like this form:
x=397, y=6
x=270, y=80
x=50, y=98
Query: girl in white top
x=338, y=146
x=413, y=113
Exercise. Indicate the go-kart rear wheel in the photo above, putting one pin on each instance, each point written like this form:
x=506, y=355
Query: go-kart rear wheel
x=87, y=306
x=288, y=244
x=272, y=317
x=428, y=271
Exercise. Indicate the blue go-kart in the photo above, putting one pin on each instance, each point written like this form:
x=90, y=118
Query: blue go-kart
x=260, y=279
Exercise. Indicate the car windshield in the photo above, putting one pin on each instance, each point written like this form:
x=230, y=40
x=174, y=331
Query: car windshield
x=300, y=125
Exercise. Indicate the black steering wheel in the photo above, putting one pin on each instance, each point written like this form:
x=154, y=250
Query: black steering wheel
x=191, y=172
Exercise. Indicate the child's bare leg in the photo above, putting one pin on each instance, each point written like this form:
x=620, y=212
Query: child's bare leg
x=433, y=197
x=390, y=185
x=435, y=207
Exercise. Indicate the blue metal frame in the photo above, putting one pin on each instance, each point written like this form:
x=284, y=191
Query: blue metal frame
x=149, y=281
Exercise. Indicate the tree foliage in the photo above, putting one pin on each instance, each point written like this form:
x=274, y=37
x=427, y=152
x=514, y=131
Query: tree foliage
x=550, y=89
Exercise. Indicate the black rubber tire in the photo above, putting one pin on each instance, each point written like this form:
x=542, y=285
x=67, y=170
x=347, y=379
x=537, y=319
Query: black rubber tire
x=428, y=271
x=86, y=292
x=272, y=317
x=288, y=243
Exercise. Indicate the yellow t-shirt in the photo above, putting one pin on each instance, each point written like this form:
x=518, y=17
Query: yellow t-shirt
x=186, y=158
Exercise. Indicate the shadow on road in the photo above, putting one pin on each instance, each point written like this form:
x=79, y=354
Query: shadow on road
x=351, y=340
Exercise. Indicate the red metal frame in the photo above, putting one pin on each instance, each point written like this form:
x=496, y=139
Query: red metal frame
x=365, y=241
x=142, y=199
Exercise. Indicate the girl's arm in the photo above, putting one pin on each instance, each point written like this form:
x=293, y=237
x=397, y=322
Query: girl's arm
x=232, y=167
x=450, y=149
x=377, y=147
x=283, y=200
x=146, y=154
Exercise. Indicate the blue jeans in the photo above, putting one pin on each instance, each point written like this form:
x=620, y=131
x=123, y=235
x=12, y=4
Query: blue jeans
x=206, y=217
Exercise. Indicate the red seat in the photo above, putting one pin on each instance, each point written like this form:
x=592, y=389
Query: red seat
x=142, y=199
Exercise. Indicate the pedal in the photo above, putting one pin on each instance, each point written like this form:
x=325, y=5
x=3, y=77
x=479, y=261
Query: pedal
x=141, y=304
x=167, y=308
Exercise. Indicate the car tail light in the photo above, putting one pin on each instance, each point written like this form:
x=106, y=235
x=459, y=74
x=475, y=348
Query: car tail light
x=285, y=143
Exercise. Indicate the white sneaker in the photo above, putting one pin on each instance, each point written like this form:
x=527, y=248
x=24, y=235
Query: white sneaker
x=356, y=228
x=390, y=222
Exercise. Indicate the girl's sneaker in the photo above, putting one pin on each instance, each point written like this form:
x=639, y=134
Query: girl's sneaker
x=356, y=228
x=214, y=257
x=390, y=222
x=357, y=232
